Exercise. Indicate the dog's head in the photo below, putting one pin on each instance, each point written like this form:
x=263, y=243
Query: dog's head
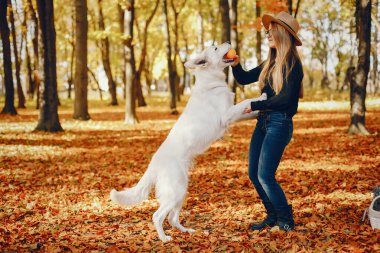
x=211, y=58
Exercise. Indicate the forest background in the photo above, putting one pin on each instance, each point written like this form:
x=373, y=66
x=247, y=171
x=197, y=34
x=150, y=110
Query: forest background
x=107, y=78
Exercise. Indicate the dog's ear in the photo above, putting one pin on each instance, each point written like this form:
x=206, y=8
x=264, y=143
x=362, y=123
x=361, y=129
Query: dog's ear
x=197, y=62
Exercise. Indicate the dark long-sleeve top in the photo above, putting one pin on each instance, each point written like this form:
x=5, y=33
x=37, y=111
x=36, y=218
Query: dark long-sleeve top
x=286, y=100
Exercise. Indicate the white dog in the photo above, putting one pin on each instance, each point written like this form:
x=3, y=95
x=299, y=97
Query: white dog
x=204, y=120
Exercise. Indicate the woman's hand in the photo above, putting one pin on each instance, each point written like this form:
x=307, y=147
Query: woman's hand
x=236, y=61
x=247, y=109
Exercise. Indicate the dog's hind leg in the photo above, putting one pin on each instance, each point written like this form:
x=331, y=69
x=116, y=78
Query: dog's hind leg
x=158, y=218
x=174, y=219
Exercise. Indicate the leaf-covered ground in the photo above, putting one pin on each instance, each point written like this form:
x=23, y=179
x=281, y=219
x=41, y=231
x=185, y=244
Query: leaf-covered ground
x=54, y=188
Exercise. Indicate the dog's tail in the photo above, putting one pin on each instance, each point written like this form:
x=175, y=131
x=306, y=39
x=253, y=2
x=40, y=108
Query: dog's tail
x=135, y=194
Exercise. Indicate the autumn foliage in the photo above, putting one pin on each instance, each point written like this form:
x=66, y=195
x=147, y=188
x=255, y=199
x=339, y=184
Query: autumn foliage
x=54, y=187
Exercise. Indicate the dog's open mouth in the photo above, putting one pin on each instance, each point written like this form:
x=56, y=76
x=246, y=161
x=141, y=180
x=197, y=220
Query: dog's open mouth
x=230, y=56
x=228, y=60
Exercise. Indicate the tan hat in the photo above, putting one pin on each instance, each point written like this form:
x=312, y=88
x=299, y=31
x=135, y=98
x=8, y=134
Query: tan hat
x=285, y=20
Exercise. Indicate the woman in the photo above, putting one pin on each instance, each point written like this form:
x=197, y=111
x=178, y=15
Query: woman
x=280, y=76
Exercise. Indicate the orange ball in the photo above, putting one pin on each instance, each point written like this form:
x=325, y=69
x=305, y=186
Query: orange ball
x=231, y=54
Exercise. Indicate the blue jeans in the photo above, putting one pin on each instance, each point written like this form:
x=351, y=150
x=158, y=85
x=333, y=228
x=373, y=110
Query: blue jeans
x=273, y=132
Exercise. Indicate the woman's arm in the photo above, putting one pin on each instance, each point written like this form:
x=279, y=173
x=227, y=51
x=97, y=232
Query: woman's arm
x=246, y=77
x=288, y=93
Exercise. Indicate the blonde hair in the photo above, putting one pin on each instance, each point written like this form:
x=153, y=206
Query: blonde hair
x=277, y=64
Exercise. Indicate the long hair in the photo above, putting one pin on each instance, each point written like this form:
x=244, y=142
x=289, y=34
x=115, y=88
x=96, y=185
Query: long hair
x=280, y=61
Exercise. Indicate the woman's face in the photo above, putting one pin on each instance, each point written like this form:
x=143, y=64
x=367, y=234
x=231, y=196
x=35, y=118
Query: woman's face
x=270, y=37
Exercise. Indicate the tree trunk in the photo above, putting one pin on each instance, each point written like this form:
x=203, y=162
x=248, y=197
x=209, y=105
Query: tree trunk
x=37, y=82
x=290, y=7
x=297, y=8
x=347, y=79
x=311, y=80
x=30, y=77
x=338, y=69
x=171, y=77
x=140, y=95
x=175, y=53
x=81, y=76
x=71, y=73
x=122, y=48
x=97, y=83
x=176, y=49
x=130, y=105
x=9, y=107
x=234, y=42
x=36, y=74
x=201, y=27
x=30, y=89
x=185, y=77
x=139, y=92
x=325, y=79
x=36, y=34
x=106, y=57
x=375, y=73
x=359, y=80
x=226, y=25
x=48, y=120
x=148, y=74
x=258, y=33
x=20, y=93
x=71, y=78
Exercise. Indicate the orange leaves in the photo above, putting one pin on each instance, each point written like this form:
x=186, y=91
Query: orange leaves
x=254, y=24
x=54, y=188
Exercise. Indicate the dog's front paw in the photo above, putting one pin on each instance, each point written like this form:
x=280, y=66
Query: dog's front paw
x=254, y=114
x=261, y=98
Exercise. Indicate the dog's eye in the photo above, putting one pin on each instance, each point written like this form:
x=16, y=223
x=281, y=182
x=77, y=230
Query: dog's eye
x=216, y=48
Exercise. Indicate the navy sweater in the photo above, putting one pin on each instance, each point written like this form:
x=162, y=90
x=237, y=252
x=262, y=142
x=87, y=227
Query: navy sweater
x=286, y=100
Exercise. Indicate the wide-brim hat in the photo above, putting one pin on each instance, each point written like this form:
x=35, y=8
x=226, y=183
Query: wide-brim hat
x=285, y=20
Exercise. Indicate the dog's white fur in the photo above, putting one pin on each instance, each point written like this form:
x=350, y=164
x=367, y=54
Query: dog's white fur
x=204, y=120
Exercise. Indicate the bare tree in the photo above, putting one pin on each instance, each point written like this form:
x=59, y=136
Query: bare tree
x=359, y=80
x=226, y=25
x=96, y=82
x=234, y=41
x=176, y=12
x=9, y=107
x=141, y=67
x=30, y=89
x=321, y=48
x=121, y=18
x=70, y=79
x=186, y=77
x=290, y=6
x=130, y=105
x=105, y=45
x=20, y=93
x=36, y=60
x=48, y=120
x=81, y=76
x=258, y=33
x=201, y=27
x=375, y=61
x=297, y=8
x=173, y=105
x=148, y=69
